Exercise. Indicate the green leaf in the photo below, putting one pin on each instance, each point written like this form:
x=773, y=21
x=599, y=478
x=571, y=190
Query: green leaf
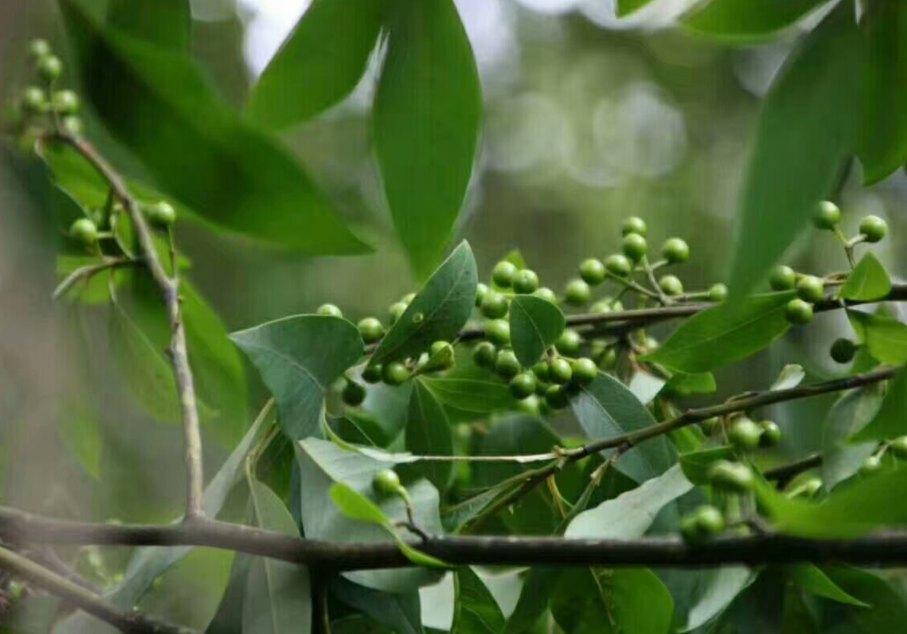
x=891, y=419
x=164, y=23
x=278, y=596
x=868, y=281
x=428, y=432
x=298, y=358
x=724, y=334
x=80, y=426
x=645, y=387
x=476, y=611
x=228, y=618
x=427, y=113
x=791, y=376
x=533, y=601
x=697, y=383
x=320, y=62
x=579, y=604
x=885, y=337
x=848, y=416
x=743, y=20
x=400, y=612
x=631, y=514
x=471, y=395
x=721, y=589
x=889, y=607
x=642, y=603
x=805, y=134
x=606, y=408
x=816, y=582
x=438, y=311
x=626, y=7
x=696, y=464
x=160, y=105
x=535, y=324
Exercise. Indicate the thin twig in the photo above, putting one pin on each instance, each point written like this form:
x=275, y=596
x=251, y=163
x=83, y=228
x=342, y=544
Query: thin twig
x=87, y=272
x=785, y=473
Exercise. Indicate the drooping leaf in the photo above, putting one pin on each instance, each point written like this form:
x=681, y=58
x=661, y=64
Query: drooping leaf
x=889, y=607
x=726, y=333
x=746, y=19
x=642, y=603
x=471, y=395
x=398, y=611
x=847, y=417
x=816, y=582
x=298, y=358
x=626, y=7
x=428, y=433
x=320, y=62
x=696, y=464
x=805, y=134
x=159, y=103
x=790, y=377
x=476, y=611
x=438, y=311
x=890, y=420
x=868, y=281
x=723, y=586
x=535, y=324
x=884, y=337
x=163, y=23
x=427, y=113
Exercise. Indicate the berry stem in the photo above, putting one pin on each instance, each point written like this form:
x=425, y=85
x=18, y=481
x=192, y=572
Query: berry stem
x=650, y=274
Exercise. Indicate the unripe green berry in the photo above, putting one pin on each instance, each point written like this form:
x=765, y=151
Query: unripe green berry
x=731, y=476
x=503, y=273
x=744, y=434
x=634, y=224
x=540, y=370
x=600, y=307
x=569, y=342
x=394, y=373
x=506, y=364
x=386, y=482
x=546, y=293
x=634, y=246
x=84, y=231
x=161, y=214
x=494, y=306
x=718, y=293
x=872, y=464
x=441, y=356
x=329, y=310
x=526, y=281
x=560, y=371
x=33, y=99
x=38, y=48
x=498, y=331
x=531, y=406
x=810, y=288
x=874, y=228
x=843, y=350
x=898, y=447
x=481, y=293
x=798, y=312
x=618, y=265
x=584, y=371
x=556, y=397
x=408, y=298
x=485, y=354
x=782, y=278
x=827, y=215
x=675, y=250
x=65, y=102
x=577, y=292
x=50, y=67
x=73, y=124
x=690, y=530
x=709, y=424
x=396, y=311
x=592, y=271
x=522, y=385
x=771, y=434
x=711, y=521
x=370, y=329
x=353, y=394
x=671, y=285
x=372, y=373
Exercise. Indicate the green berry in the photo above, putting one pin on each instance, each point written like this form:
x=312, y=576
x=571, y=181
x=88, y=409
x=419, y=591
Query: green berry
x=522, y=385
x=506, y=364
x=633, y=224
x=782, y=278
x=827, y=215
x=560, y=371
x=584, y=371
x=771, y=434
x=531, y=406
x=485, y=354
x=84, y=231
x=526, y=281
x=618, y=265
x=843, y=350
x=546, y=293
x=731, y=476
x=569, y=342
x=709, y=424
x=33, y=99
x=577, y=292
x=690, y=530
x=329, y=310
x=898, y=447
x=38, y=48
x=408, y=298
x=671, y=285
x=744, y=434
x=494, y=306
x=394, y=373
x=592, y=271
x=370, y=329
x=871, y=465
x=873, y=228
x=540, y=370
x=73, y=124
x=718, y=293
x=710, y=519
x=386, y=482
x=498, y=331
x=50, y=67
x=395, y=312
x=634, y=246
x=66, y=102
x=810, y=288
x=503, y=273
x=353, y=393
x=372, y=373
x=675, y=250
x=161, y=214
x=600, y=307
x=798, y=312
x=441, y=356
x=481, y=293
x=556, y=397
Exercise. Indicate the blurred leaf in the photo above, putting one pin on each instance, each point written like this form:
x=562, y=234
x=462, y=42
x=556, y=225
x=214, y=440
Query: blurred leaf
x=626, y=7
x=723, y=586
x=533, y=601
x=278, y=597
x=428, y=433
x=696, y=383
x=578, y=602
x=398, y=611
x=535, y=324
x=164, y=23
x=631, y=514
x=438, y=312
x=298, y=358
x=868, y=281
x=816, y=582
x=746, y=19
x=791, y=376
x=229, y=616
x=476, y=611
x=885, y=337
x=642, y=603
x=696, y=464
x=797, y=617
x=889, y=607
x=849, y=415
x=806, y=133
x=883, y=146
x=426, y=118
x=645, y=387
x=319, y=63
x=724, y=334
x=80, y=426
x=606, y=408
x=30, y=614
x=161, y=106
x=890, y=420
x=471, y=395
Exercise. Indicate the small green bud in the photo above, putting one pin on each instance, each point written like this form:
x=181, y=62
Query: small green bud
x=618, y=265
x=718, y=293
x=870, y=466
x=161, y=214
x=73, y=124
x=671, y=285
x=634, y=246
x=39, y=48
x=675, y=250
x=33, y=99
x=577, y=292
x=65, y=102
x=84, y=231
x=592, y=271
x=386, y=482
x=50, y=67
x=329, y=310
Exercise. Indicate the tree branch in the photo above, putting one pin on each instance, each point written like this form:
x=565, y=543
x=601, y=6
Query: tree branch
x=87, y=272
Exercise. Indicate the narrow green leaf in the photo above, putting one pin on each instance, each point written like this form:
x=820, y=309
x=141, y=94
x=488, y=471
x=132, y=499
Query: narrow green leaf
x=816, y=582
x=579, y=604
x=626, y=7
x=891, y=419
x=889, y=607
x=868, y=281
x=743, y=20
x=848, y=416
x=428, y=432
x=696, y=464
x=535, y=324
x=401, y=612
x=163, y=23
x=438, y=311
x=320, y=62
x=884, y=337
x=645, y=387
x=724, y=334
x=642, y=603
x=722, y=588
x=533, y=601
x=298, y=358
x=471, y=395
x=790, y=377
x=427, y=113
x=805, y=134
x=80, y=426
x=476, y=611
x=161, y=106
x=228, y=618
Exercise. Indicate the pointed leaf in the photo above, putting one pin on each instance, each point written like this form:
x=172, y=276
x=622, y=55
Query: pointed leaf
x=642, y=603
x=428, y=433
x=847, y=417
x=164, y=23
x=885, y=337
x=747, y=19
x=471, y=395
x=626, y=7
x=790, y=377
x=535, y=324
x=816, y=582
x=722, y=588
x=891, y=419
x=868, y=281
x=398, y=611
x=476, y=611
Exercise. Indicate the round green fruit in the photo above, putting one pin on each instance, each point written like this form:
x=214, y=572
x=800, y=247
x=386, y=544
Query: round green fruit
x=584, y=371
x=33, y=99
x=671, y=285
x=592, y=271
x=386, y=482
x=744, y=434
x=798, y=312
x=526, y=281
x=38, y=48
x=718, y=293
x=577, y=292
x=843, y=350
x=73, y=124
x=873, y=228
x=506, y=364
x=569, y=342
x=546, y=293
x=540, y=370
x=634, y=224
x=65, y=102
x=556, y=397
x=84, y=231
x=329, y=310
x=560, y=371
x=481, y=293
x=771, y=434
x=810, y=288
x=50, y=67
x=498, y=331
x=522, y=385
x=782, y=278
x=675, y=250
x=872, y=464
x=494, y=306
x=618, y=265
x=827, y=215
x=372, y=373
x=710, y=519
x=370, y=329
x=485, y=354
x=731, y=476
x=898, y=447
x=161, y=214
x=503, y=273
x=395, y=312
x=353, y=393
x=394, y=373
x=634, y=246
